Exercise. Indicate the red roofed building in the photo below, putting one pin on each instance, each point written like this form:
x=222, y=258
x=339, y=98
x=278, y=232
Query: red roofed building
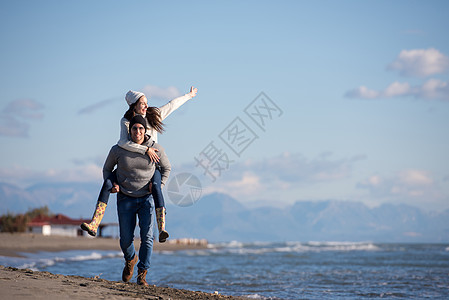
x=57, y=225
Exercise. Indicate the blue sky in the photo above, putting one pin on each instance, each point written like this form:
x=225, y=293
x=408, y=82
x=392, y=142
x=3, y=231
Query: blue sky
x=362, y=89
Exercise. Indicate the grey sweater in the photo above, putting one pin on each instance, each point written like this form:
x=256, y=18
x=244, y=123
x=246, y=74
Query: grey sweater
x=135, y=170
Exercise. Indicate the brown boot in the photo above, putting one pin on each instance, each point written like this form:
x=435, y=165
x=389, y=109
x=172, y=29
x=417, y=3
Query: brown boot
x=128, y=270
x=141, y=274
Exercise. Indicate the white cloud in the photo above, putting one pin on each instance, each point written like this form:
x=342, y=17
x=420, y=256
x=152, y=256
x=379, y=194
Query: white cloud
x=96, y=106
x=374, y=180
x=397, y=89
x=420, y=62
x=21, y=176
x=432, y=89
x=16, y=116
x=362, y=92
x=10, y=126
x=294, y=168
x=24, y=108
x=415, y=178
x=249, y=184
x=412, y=186
x=277, y=176
x=86, y=173
x=155, y=92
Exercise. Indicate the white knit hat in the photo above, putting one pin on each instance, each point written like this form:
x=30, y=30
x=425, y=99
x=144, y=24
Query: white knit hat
x=132, y=97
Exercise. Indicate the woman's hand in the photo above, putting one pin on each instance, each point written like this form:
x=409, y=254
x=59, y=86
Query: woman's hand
x=193, y=91
x=153, y=155
x=115, y=188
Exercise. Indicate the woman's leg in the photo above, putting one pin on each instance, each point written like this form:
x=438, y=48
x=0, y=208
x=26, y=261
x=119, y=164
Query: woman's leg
x=100, y=208
x=156, y=192
x=105, y=191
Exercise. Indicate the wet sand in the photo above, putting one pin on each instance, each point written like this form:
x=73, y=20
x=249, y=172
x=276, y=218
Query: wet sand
x=13, y=244
x=27, y=284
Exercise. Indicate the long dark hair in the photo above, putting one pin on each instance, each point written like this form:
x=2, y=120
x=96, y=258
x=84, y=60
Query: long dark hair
x=153, y=117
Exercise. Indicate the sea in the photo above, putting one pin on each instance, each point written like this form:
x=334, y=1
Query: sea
x=287, y=270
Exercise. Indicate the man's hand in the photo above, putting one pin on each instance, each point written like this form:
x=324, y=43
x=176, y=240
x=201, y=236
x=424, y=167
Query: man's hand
x=115, y=188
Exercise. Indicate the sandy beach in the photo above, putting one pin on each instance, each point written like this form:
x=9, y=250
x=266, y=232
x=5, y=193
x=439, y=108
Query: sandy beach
x=27, y=284
x=13, y=244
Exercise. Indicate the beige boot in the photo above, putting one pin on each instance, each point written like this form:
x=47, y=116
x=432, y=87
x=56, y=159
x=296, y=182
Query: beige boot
x=141, y=280
x=92, y=227
x=128, y=270
x=160, y=218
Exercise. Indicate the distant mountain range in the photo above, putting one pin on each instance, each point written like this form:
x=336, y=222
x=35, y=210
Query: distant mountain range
x=219, y=217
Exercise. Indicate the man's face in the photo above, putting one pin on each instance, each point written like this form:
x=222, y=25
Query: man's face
x=138, y=133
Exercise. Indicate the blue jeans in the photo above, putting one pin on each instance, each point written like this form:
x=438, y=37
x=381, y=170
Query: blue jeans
x=106, y=188
x=156, y=190
x=128, y=208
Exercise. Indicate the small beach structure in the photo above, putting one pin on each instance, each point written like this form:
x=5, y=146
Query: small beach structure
x=59, y=225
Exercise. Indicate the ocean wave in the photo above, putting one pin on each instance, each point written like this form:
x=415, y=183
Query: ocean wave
x=342, y=246
x=256, y=296
x=36, y=265
x=231, y=244
x=235, y=247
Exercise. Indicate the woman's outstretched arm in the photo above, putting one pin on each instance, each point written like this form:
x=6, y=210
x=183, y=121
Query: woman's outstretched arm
x=174, y=104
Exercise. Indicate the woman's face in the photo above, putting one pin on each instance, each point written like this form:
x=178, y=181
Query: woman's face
x=141, y=106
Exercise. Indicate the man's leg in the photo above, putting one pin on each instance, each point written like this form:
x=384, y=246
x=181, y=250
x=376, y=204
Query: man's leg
x=127, y=208
x=146, y=224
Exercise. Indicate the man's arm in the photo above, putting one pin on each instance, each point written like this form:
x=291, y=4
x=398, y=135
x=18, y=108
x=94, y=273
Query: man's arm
x=110, y=163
